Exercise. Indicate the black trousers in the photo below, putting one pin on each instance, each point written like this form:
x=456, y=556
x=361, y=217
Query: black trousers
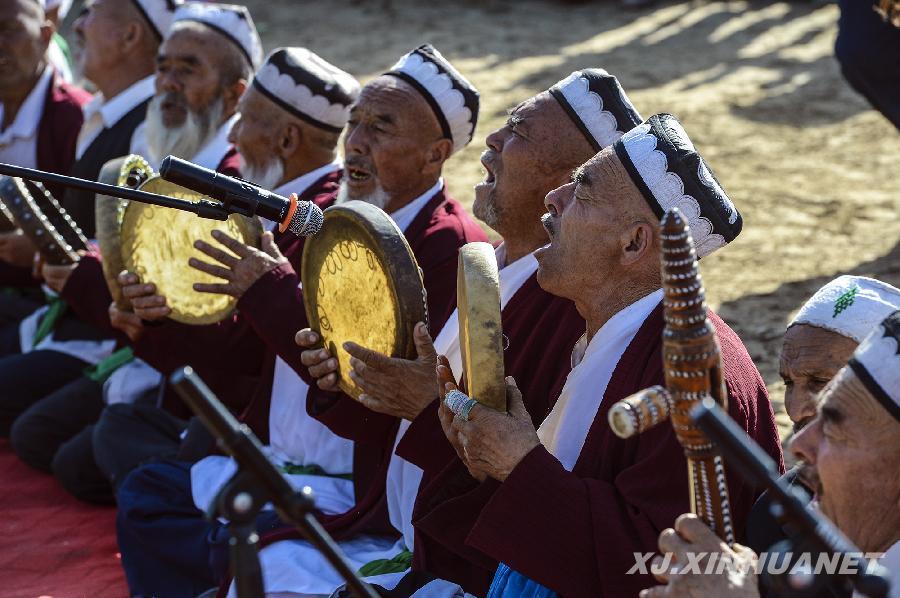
x=127, y=436
x=55, y=435
x=27, y=378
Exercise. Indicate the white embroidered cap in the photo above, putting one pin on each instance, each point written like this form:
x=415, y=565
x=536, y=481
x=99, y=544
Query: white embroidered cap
x=668, y=171
x=597, y=104
x=159, y=14
x=63, y=5
x=876, y=362
x=453, y=99
x=231, y=20
x=308, y=87
x=850, y=306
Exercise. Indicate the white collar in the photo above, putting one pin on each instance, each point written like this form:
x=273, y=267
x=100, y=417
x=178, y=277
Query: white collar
x=303, y=182
x=405, y=215
x=211, y=154
x=25, y=125
x=514, y=275
x=636, y=312
x=112, y=110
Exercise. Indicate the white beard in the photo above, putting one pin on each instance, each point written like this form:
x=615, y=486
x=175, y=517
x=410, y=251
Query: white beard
x=378, y=198
x=184, y=141
x=267, y=177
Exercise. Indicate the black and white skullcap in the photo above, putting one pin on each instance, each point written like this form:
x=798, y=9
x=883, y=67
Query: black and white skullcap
x=876, y=362
x=597, y=104
x=159, y=14
x=452, y=98
x=662, y=162
x=308, y=87
x=231, y=20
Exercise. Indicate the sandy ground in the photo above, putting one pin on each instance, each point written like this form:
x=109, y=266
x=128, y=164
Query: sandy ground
x=810, y=166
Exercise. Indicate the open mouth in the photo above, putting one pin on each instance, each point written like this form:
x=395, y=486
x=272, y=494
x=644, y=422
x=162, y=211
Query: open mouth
x=486, y=161
x=358, y=175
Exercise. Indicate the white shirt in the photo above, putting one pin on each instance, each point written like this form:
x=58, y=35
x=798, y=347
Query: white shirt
x=18, y=142
x=403, y=477
x=100, y=113
x=405, y=215
x=564, y=431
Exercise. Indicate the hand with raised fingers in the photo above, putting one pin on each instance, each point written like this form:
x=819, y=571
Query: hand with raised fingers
x=322, y=366
x=241, y=268
x=146, y=303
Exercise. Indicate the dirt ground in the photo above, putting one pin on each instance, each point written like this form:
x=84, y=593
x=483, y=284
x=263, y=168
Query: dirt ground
x=809, y=164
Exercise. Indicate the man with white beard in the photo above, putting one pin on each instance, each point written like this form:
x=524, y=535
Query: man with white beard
x=397, y=139
x=201, y=74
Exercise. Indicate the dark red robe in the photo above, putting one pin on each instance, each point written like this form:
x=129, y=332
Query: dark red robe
x=576, y=532
x=57, y=136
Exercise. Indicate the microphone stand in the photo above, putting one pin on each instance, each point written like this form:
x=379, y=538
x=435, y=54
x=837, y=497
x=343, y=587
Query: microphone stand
x=203, y=208
x=809, y=530
x=245, y=494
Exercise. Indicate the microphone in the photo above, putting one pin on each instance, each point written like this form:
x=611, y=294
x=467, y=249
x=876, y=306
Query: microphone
x=239, y=196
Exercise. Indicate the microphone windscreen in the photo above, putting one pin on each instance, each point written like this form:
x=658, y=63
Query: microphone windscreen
x=307, y=220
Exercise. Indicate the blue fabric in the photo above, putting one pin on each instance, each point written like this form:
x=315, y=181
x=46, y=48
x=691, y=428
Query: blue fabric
x=162, y=536
x=510, y=584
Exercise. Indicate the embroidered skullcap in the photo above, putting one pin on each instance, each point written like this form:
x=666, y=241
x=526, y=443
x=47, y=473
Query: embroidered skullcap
x=159, y=14
x=63, y=5
x=452, y=98
x=231, y=20
x=876, y=362
x=308, y=87
x=850, y=306
x=597, y=104
x=668, y=171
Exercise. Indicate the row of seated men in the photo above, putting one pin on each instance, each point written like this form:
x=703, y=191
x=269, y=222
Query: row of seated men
x=542, y=500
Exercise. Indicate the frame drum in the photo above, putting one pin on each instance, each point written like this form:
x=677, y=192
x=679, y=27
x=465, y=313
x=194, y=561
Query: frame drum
x=480, y=329
x=157, y=243
x=361, y=283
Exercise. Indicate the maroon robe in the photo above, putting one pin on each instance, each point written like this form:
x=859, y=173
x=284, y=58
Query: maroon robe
x=435, y=236
x=57, y=136
x=576, y=532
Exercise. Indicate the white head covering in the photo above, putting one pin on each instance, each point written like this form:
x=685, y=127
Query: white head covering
x=876, y=362
x=669, y=172
x=231, y=20
x=850, y=306
x=597, y=104
x=64, y=6
x=159, y=14
x=452, y=98
x=308, y=87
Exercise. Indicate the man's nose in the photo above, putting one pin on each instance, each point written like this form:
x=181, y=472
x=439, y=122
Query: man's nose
x=556, y=200
x=495, y=140
x=355, y=141
x=804, y=444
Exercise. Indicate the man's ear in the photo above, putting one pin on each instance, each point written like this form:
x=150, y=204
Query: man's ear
x=47, y=31
x=437, y=154
x=232, y=93
x=637, y=240
x=130, y=36
x=289, y=141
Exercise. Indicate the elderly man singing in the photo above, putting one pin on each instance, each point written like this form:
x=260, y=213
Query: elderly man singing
x=573, y=502
x=849, y=451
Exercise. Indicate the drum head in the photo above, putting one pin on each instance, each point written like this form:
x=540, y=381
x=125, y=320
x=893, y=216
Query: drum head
x=361, y=283
x=480, y=330
x=108, y=212
x=157, y=243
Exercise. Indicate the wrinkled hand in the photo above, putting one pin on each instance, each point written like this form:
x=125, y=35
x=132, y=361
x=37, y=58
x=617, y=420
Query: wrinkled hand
x=322, y=366
x=398, y=387
x=126, y=321
x=147, y=305
x=56, y=276
x=16, y=249
x=685, y=576
x=493, y=443
x=242, y=271
x=447, y=383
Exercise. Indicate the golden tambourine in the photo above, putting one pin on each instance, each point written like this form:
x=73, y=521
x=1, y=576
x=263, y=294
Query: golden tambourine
x=129, y=171
x=480, y=330
x=361, y=283
x=157, y=242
